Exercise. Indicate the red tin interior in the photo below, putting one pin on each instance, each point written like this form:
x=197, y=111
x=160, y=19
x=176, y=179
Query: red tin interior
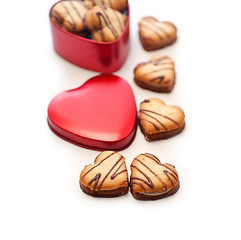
x=100, y=114
x=97, y=56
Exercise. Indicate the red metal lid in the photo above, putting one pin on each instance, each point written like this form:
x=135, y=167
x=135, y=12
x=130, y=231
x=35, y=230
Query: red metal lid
x=100, y=114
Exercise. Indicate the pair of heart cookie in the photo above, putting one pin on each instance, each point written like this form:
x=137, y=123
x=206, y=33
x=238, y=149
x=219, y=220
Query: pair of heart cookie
x=158, y=74
x=108, y=177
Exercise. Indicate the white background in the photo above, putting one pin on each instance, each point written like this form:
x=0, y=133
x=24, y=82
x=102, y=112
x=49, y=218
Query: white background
x=39, y=172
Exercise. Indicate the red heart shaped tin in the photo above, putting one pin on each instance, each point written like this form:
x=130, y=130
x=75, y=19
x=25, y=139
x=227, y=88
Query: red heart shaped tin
x=105, y=57
x=100, y=114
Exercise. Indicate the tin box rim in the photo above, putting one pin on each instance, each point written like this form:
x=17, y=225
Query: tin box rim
x=93, y=144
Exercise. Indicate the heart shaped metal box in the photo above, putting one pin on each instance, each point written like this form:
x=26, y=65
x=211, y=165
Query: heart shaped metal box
x=93, y=55
x=101, y=114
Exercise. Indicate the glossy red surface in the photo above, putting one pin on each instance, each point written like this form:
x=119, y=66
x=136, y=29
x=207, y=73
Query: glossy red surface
x=90, y=54
x=100, y=114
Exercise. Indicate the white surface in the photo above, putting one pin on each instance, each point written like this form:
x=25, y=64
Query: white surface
x=40, y=194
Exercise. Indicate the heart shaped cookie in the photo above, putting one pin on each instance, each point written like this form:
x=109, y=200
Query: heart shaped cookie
x=107, y=177
x=150, y=179
x=70, y=14
x=160, y=121
x=106, y=24
x=100, y=114
x=157, y=75
x=155, y=34
x=119, y=5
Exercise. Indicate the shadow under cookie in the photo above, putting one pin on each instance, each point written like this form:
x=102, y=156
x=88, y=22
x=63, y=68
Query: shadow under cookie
x=154, y=195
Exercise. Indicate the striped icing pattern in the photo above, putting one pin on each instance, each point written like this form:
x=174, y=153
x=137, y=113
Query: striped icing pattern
x=155, y=34
x=105, y=23
x=108, y=172
x=158, y=71
x=70, y=14
x=155, y=116
x=156, y=29
x=149, y=175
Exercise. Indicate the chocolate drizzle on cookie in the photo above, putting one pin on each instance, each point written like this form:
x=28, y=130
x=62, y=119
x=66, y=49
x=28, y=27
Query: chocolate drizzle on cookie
x=148, y=23
x=94, y=179
x=98, y=164
x=155, y=34
x=160, y=121
x=99, y=177
x=77, y=10
x=159, y=114
x=158, y=74
x=165, y=174
x=162, y=61
x=110, y=172
x=150, y=114
x=108, y=17
x=69, y=14
x=155, y=26
x=149, y=183
x=105, y=24
x=116, y=173
x=103, y=16
x=159, y=78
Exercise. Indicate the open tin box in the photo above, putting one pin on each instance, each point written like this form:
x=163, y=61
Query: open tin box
x=93, y=55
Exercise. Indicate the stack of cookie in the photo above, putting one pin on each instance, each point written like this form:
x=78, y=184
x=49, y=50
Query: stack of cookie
x=100, y=20
x=108, y=177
